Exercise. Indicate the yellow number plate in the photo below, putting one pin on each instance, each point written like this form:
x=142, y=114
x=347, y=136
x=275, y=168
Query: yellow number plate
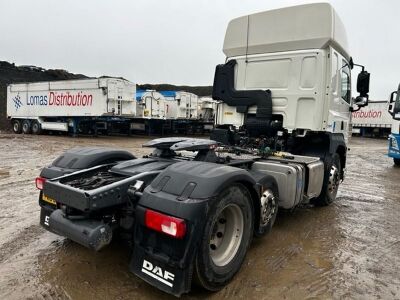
x=49, y=200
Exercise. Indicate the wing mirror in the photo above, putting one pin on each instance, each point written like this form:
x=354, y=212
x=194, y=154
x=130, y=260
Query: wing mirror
x=394, y=104
x=361, y=101
x=363, y=83
x=362, y=87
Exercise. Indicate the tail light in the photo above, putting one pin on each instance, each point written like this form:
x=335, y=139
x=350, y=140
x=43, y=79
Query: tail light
x=172, y=226
x=39, y=181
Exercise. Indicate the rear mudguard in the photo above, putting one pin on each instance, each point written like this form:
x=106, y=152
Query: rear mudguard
x=185, y=190
x=79, y=158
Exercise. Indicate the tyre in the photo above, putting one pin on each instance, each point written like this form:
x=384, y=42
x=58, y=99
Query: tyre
x=26, y=127
x=268, y=210
x=331, y=182
x=227, y=236
x=396, y=162
x=16, y=126
x=36, y=127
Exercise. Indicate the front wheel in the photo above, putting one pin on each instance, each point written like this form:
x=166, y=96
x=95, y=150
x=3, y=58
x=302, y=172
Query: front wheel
x=331, y=182
x=396, y=162
x=226, y=238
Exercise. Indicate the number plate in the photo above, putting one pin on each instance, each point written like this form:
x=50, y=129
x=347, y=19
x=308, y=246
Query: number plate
x=49, y=200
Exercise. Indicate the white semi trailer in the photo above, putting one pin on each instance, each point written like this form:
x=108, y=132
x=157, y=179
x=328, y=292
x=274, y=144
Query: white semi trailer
x=180, y=105
x=373, y=120
x=150, y=104
x=84, y=105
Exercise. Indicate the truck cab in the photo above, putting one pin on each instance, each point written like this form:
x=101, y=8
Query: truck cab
x=394, y=137
x=287, y=80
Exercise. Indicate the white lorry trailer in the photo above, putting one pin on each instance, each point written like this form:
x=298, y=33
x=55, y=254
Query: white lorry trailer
x=150, y=104
x=280, y=142
x=84, y=105
x=180, y=105
x=373, y=120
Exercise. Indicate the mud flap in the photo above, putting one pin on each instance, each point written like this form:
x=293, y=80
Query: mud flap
x=45, y=213
x=157, y=272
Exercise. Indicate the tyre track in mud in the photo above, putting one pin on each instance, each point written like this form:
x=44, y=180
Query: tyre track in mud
x=19, y=241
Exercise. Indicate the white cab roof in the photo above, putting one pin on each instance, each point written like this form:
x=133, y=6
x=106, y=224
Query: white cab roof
x=310, y=26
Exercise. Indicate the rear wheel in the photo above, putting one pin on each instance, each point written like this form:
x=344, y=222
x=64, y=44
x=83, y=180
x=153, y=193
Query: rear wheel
x=16, y=126
x=226, y=238
x=36, y=127
x=26, y=127
x=396, y=162
x=268, y=210
x=331, y=182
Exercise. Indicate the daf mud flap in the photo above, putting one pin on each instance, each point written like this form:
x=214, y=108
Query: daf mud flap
x=159, y=273
x=92, y=234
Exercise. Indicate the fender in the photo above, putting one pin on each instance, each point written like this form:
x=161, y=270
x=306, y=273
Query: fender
x=82, y=158
x=185, y=190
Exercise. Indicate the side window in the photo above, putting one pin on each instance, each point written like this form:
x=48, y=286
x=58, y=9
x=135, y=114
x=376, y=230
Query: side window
x=345, y=82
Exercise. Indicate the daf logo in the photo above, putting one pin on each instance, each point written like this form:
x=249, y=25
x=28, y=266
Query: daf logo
x=157, y=273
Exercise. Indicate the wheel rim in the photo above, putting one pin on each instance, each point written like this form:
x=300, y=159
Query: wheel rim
x=268, y=207
x=16, y=127
x=25, y=127
x=226, y=235
x=334, y=179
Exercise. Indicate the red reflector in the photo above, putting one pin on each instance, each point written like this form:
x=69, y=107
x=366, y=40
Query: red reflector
x=163, y=223
x=39, y=181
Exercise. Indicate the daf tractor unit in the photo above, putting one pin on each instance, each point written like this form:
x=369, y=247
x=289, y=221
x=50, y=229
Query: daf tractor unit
x=191, y=208
x=394, y=137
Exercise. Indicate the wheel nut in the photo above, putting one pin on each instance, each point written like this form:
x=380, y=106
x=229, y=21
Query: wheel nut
x=213, y=247
x=219, y=234
x=222, y=221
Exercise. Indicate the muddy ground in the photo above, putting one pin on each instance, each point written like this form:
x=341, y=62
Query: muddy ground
x=348, y=250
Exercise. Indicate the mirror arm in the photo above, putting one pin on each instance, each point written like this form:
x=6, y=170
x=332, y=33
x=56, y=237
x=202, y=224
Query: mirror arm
x=361, y=66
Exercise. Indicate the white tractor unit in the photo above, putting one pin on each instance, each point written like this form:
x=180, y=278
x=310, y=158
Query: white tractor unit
x=191, y=209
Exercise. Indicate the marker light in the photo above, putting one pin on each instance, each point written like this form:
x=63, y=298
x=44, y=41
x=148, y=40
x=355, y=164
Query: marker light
x=163, y=223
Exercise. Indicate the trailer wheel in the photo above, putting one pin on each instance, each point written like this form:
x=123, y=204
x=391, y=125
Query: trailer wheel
x=26, y=127
x=36, y=127
x=396, y=162
x=226, y=238
x=16, y=126
x=331, y=182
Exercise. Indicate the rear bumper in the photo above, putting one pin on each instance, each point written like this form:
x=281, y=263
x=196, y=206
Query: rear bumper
x=92, y=234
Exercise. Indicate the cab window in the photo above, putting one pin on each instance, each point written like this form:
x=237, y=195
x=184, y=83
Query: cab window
x=345, y=80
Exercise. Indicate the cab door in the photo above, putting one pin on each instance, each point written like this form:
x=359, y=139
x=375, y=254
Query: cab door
x=339, y=119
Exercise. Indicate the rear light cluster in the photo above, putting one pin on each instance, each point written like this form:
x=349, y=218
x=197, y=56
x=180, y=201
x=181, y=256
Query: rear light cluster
x=171, y=226
x=39, y=181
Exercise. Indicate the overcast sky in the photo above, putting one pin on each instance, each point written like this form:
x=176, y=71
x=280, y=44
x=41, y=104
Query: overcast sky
x=174, y=41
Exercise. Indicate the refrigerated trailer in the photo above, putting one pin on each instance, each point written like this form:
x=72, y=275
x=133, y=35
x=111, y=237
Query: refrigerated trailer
x=75, y=106
x=191, y=209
